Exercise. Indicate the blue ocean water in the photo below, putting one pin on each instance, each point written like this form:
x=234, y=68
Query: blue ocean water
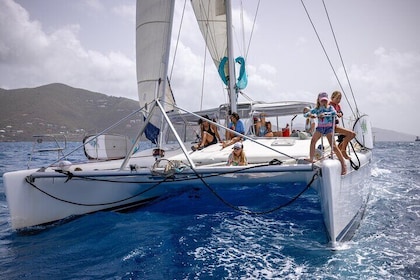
x=195, y=236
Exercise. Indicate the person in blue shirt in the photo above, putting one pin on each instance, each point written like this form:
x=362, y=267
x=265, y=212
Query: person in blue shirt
x=325, y=114
x=237, y=125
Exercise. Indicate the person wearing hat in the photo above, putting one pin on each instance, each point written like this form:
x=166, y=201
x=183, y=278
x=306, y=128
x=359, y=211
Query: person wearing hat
x=325, y=114
x=237, y=156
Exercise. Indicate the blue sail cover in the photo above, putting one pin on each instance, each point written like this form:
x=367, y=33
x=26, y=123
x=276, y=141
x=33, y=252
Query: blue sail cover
x=242, y=79
x=151, y=132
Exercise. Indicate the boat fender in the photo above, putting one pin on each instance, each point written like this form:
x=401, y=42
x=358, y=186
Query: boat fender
x=319, y=152
x=64, y=165
x=363, y=129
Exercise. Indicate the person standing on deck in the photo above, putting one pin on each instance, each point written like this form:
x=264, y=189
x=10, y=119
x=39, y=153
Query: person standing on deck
x=325, y=113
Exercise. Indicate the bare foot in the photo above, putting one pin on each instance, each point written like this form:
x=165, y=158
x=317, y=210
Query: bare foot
x=225, y=144
x=343, y=169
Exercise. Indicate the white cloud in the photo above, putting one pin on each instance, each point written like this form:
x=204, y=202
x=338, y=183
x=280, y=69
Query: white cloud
x=126, y=12
x=95, y=4
x=389, y=89
x=301, y=41
x=31, y=57
x=267, y=69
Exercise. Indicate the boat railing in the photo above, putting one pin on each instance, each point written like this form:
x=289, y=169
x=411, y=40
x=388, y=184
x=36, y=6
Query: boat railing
x=48, y=143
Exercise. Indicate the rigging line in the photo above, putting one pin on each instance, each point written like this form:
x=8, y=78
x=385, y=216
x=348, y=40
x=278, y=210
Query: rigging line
x=177, y=39
x=325, y=51
x=252, y=30
x=243, y=27
x=249, y=212
x=246, y=96
x=342, y=61
x=202, y=81
x=31, y=182
x=97, y=135
x=210, y=40
x=355, y=167
x=204, y=64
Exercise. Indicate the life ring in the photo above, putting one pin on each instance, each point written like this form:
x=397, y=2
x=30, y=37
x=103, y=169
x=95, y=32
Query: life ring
x=363, y=130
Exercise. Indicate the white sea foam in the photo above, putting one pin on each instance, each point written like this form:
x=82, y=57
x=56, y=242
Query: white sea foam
x=376, y=172
x=135, y=253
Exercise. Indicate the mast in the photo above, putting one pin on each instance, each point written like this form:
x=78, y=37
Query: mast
x=231, y=60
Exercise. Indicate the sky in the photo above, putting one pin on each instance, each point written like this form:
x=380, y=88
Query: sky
x=90, y=44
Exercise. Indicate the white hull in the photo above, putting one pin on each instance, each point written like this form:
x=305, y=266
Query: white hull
x=37, y=198
x=344, y=198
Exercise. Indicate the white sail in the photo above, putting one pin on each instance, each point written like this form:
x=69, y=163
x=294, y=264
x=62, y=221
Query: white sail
x=214, y=20
x=211, y=18
x=153, y=34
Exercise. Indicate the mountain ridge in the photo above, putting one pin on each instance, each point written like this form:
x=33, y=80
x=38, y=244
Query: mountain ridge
x=61, y=109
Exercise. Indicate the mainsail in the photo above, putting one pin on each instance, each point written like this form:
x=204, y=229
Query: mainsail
x=214, y=20
x=211, y=18
x=153, y=35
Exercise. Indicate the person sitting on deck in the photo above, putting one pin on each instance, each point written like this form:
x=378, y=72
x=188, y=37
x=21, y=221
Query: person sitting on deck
x=262, y=127
x=269, y=131
x=284, y=132
x=236, y=125
x=348, y=134
x=209, y=134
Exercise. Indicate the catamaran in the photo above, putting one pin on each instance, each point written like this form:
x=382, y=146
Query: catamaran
x=127, y=178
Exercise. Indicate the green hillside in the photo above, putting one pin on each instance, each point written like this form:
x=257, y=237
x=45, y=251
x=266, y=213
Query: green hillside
x=61, y=109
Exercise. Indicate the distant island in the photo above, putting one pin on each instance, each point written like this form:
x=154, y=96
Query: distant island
x=74, y=112
x=392, y=136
